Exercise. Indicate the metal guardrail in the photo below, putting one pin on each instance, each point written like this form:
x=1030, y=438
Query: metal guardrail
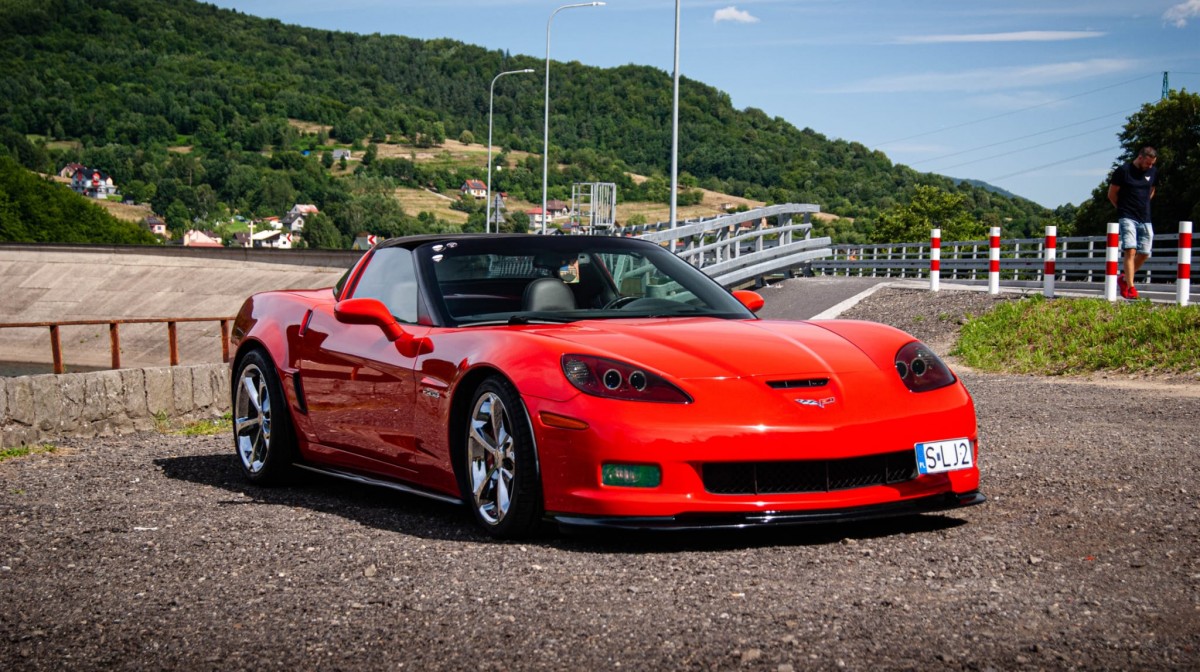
x=739, y=247
x=114, y=335
x=1078, y=259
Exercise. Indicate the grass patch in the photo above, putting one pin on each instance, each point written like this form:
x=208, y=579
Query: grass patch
x=22, y=451
x=1079, y=336
x=208, y=426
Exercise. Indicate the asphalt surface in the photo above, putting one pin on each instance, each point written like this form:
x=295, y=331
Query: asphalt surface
x=152, y=552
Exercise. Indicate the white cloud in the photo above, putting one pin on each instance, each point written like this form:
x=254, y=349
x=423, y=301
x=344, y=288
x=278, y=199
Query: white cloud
x=1022, y=36
x=733, y=14
x=1179, y=14
x=992, y=79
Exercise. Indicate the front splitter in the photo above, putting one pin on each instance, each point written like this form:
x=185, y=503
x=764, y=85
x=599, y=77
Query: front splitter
x=717, y=521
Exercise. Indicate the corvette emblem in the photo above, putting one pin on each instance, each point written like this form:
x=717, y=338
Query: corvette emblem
x=819, y=403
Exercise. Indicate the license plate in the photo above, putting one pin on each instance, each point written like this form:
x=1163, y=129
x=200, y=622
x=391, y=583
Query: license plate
x=936, y=457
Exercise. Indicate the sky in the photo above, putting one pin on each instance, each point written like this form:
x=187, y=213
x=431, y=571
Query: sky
x=1027, y=95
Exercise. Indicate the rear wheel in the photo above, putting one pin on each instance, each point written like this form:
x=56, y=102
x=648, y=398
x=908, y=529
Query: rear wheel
x=501, y=484
x=262, y=427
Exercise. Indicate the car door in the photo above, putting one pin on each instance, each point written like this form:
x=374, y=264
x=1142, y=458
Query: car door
x=359, y=386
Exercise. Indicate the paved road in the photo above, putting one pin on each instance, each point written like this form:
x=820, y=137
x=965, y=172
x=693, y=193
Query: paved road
x=806, y=298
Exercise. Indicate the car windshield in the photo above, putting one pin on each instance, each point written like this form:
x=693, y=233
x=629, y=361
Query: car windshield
x=479, y=280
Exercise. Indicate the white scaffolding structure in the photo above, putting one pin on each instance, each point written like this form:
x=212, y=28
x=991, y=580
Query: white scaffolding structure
x=594, y=206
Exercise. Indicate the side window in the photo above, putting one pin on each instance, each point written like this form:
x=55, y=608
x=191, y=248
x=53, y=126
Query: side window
x=391, y=278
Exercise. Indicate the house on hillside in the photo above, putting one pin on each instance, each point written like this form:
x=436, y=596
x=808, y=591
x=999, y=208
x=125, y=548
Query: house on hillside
x=339, y=154
x=70, y=169
x=272, y=238
x=194, y=238
x=156, y=225
x=474, y=188
x=557, y=209
x=279, y=240
x=294, y=220
x=92, y=183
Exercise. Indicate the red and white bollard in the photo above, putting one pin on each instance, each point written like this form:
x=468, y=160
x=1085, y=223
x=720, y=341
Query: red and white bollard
x=935, y=260
x=1183, y=278
x=1050, y=252
x=1110, y=267
x=994, y=261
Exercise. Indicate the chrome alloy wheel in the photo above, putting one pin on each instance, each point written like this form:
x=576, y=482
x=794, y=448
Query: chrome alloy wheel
x=491, y=458
x=252, y=419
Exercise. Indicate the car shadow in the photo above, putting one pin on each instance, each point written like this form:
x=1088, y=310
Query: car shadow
x=393, y=511
x=372, y=506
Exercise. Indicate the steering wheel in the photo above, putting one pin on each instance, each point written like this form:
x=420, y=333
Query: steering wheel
x=620, y=302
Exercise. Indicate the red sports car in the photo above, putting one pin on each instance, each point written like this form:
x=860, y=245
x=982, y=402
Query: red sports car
x=593, y=381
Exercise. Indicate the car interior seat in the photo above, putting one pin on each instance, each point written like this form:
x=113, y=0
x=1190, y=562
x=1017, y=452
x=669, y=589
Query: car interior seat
x=548, y=294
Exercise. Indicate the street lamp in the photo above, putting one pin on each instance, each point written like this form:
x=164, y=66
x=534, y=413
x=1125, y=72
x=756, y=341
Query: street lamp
x=487, y=225
x=675, y=128
x=546, y=113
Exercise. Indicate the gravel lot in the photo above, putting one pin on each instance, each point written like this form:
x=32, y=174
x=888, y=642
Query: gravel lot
x=150, y=552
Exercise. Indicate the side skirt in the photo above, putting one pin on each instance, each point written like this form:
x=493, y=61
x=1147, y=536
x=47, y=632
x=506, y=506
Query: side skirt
x=391, y=485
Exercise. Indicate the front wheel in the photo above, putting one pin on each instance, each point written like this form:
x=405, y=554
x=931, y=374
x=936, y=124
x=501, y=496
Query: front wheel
x=262, y=427
x=501, y=484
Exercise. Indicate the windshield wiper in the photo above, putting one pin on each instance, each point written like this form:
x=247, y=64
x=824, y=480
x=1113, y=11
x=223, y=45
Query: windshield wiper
x=540, y=319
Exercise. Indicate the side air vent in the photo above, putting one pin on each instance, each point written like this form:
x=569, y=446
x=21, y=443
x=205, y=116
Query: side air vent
x=298, y=385
x=795, y=384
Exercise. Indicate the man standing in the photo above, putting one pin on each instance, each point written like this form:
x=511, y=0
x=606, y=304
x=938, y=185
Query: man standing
x=1130, y=191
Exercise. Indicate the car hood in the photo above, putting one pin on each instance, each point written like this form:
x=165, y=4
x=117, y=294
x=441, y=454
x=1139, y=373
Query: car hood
x=712, y=348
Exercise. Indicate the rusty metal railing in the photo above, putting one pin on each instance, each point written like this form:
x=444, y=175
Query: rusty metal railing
x=114, y=335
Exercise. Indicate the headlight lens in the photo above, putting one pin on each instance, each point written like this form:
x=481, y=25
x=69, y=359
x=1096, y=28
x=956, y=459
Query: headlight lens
x=920, y=369
x=612, y=379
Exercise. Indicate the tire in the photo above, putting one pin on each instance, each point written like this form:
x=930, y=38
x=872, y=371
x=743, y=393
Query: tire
x=263, y=436
x=500, y=480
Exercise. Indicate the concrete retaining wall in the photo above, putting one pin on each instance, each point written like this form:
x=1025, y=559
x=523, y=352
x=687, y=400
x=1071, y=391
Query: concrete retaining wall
x=38, y=409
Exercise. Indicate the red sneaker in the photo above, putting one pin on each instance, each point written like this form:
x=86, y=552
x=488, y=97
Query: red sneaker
x=1122, y=286
x=1131, y=292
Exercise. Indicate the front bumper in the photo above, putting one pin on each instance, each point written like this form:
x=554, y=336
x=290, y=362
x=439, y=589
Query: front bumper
x=717, y=521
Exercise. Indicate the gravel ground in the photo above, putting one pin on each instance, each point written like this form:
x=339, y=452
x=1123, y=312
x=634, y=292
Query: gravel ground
x=151, y=552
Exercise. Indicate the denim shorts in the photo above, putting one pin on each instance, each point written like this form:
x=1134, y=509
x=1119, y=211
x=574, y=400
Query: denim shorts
x=1136, y=235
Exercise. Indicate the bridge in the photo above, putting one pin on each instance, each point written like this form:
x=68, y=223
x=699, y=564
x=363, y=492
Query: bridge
x=743, y=247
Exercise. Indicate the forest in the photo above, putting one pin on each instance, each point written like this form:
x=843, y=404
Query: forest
x=195, y=109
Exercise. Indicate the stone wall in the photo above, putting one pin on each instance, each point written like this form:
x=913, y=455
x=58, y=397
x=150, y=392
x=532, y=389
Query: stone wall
x=38, y=409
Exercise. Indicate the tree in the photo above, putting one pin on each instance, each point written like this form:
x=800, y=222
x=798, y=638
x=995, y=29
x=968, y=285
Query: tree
x=929, y=208
x=1172, y=126
x=466, y=137
x=369, y=156
x=321, y=234
x=179, y=220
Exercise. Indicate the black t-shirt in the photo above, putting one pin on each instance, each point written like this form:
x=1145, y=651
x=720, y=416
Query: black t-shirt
x=1133, y=199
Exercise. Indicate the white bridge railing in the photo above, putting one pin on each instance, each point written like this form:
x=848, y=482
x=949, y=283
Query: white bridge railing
x=742, y=247
x=1077, y=259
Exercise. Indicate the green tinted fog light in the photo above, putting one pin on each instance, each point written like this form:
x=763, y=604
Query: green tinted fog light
x=631, y=475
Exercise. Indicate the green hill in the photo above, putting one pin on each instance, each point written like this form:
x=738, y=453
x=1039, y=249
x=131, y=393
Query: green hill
x=129, y=79
x=36, y=210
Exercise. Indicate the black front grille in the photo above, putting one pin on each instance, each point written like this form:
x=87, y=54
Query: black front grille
x=755, y=478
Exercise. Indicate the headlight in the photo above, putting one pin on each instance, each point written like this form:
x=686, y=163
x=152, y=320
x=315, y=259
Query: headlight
x=920, y=369
x=612, y=379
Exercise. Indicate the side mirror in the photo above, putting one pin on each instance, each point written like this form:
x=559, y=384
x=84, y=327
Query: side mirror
x=749, y=299
x=369, y=311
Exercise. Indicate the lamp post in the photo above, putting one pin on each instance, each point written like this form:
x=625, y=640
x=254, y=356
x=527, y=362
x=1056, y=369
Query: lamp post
x=487, y=224
x=546, y=113
x=675, y=128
